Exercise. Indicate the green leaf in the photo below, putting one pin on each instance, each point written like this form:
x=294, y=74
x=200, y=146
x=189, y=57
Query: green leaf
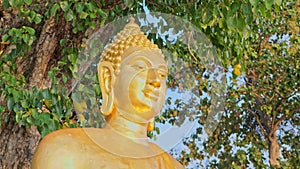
x=62, y=42
x=233, y=8
x=64, y=78
x=69, y=15
x=72, y=58
x=278, y=2
x=18, y=32
x=2, y=109
x=79, y=7
x=34, y=113
x=12, y=2
x=24, y=104
x=80, y=27
x=32, y=38
x=17, y=108
x=54, y=8
x=268, y=3
x=90, y=6
x=10, y=103
x=92, y=15
x=58, y=109
x=241, y=23
x=30, y=19
x=157, y=130
x=61, y=63
x=11, y=32
x=97, y=89
x=18, y=116
x=29, y=120
x=54, y=100
x=246, y=8
x=5, y=37
x=46, y=94
x=26, y=38
x=45, y=117
x=207, y=16
x=25, y=11
x=262, y=10
x=102, y=22
x=230, y=23
x=45, y=131
x=246, y=32
x=76, y=97
x=83, y=15
x=129, y=3
x=30, y=30
x=221, y=23
x=52, y=125
x=92, y=25
x=32, y=15
x=6, y=4
x=102, y=13
x=28, y=2
x=254, y=2
x=38, y=19
x=65, y=5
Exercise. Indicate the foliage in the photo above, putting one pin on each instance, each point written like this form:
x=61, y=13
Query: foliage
x=248, y=35
x=49, y=109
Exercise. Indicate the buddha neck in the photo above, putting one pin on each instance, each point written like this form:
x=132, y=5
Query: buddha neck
x=135, y=131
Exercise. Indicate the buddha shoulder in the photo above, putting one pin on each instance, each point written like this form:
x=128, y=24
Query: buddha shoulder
x=67, y=147
x=59, y=139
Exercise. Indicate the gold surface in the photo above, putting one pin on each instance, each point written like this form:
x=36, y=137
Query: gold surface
x=132, y=76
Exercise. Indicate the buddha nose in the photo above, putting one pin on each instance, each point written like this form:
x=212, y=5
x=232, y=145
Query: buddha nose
x=153, y=78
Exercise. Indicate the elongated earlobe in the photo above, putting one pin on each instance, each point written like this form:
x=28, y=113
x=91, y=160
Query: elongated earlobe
x=106, y=78
x=150, y=126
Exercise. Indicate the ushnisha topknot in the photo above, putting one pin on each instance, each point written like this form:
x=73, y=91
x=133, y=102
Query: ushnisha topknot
x=130, y=36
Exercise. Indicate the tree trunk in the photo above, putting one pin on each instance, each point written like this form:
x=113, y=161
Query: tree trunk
x=17, y=144
x=274, y=150
x=45, y=49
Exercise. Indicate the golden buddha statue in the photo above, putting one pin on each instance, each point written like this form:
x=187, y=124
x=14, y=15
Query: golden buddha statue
x=132, y=76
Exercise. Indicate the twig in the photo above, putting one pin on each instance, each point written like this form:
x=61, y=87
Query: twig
x=189, y=48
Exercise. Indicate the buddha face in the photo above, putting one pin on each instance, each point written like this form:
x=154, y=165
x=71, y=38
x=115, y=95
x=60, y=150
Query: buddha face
x=139, y=88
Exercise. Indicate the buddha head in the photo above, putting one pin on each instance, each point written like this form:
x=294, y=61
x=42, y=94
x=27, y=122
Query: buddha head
x=132, y=76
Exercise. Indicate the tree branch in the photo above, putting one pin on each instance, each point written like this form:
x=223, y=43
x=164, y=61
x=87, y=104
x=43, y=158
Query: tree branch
x=189, y=48
x=259, y=123
x=278, y=122
x=262, y=44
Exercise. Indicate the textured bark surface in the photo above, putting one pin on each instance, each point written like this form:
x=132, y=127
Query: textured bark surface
x=45, y=48
x=17, y=144
x=274, y=150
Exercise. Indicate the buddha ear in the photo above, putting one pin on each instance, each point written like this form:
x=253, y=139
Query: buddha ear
x=106, y=78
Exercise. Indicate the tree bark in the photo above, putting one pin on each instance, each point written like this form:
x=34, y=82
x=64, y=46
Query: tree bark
x=47, y=44
x=17, y=144
x=274, y=150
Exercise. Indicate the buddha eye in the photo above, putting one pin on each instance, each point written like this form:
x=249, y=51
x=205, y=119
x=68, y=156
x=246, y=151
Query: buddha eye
x=162, y=74
x=139, y=65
